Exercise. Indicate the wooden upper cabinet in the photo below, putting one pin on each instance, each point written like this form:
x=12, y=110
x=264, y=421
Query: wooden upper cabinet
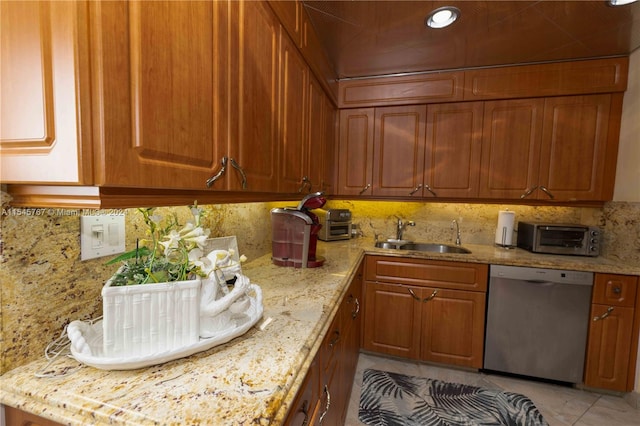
x=511, y=142
x=328, y=182
x=159, y=96
x=414, y=89
x=45, y=111
x=398, y=150
x=556, y=79
x=453, y=148
x=290, y=13
x=553, y=149
x=355, y=151
x=578, y=156
x=294, y=82
x=253, y=67
x=321, y=135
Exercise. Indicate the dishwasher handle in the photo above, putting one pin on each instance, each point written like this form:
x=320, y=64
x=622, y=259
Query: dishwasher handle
x=540, y=282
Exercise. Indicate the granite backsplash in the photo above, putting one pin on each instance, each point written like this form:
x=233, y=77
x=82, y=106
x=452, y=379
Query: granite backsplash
x=45, y=285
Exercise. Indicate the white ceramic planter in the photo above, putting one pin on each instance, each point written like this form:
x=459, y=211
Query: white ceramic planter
x=145, y=319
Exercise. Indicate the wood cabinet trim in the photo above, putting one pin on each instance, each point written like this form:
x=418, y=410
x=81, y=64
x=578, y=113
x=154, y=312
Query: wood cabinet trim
x=415, y=89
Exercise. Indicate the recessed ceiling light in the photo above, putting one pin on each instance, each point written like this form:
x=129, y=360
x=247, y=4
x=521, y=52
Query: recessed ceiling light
x=621, y=2
x=442, y=17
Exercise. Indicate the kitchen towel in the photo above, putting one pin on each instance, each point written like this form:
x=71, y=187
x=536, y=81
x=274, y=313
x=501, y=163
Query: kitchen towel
x=504, y=230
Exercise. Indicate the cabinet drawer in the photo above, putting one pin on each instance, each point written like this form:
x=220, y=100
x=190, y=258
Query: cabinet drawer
x=431, y=273
x=617, y=290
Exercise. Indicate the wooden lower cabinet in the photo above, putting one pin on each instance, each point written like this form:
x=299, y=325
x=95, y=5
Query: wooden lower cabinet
x=16, y=417
x=391, y=318
x=452, y=330
x=323, y=399
x=304, y=410
x=420, y=309
x=613, y=333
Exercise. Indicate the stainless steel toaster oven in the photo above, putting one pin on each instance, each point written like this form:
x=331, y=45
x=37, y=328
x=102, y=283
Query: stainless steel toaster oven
x=336, y=224
x=555, y=238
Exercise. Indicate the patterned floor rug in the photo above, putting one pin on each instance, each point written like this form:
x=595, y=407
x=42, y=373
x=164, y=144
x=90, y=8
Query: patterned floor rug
x=391, y=399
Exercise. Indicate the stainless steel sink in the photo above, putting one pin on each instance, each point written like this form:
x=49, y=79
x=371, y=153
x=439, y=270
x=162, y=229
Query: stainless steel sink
x=428, y=247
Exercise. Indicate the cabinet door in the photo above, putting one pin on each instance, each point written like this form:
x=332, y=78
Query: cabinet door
x=316, y=137
x=511, y=141
x=574, y=152
x=45, y=110
x=254, y=110
x=453, y=147
x=329, y=168
x=453, y=327
x=398, y=150
x=355, y=152
x=392, y=319
x=160, y=104
x=609, y=347
x=294, y=82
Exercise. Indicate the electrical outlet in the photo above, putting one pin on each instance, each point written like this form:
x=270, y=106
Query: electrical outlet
x=101, y=235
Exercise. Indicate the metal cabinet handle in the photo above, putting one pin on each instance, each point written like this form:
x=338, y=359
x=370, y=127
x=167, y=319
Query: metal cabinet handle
x=218, y=175
x=546, y=191
x=365, y=189
x=327, y=405
x=305, y=410
x=413, y=294
x=236, y=166
x=305, y=181
x=335, y=340
x=416, y=189
x=354, y=314
x=528, y=192
x=428, y=188
x=603, y=316
x=433, y=295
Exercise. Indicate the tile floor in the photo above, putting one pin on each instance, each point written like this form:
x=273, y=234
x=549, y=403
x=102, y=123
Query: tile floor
x=559, y=405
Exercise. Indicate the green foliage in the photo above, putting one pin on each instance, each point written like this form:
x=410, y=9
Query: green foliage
x=169, y=254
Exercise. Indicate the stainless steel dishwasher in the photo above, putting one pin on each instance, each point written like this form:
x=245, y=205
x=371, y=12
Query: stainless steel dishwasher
x=537, y=322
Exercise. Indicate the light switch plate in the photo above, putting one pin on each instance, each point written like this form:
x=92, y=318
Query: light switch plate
x=101, y=235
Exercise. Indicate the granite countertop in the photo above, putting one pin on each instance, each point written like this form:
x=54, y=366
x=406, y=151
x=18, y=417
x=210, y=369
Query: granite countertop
x=252, y=379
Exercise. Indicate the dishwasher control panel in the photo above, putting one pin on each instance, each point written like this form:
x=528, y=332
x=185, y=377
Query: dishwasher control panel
x=542, y=275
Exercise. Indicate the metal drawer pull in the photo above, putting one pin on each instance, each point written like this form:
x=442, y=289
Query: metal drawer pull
x=546, y=191
x=218, y=175
x=426, y=299
x=413, y=295
x=416, y=189
x=236, y=166
x=355, y=313
x=606, y=314
x=365, y=189
x=430, y=190
x=528, y=192
x=326, y=407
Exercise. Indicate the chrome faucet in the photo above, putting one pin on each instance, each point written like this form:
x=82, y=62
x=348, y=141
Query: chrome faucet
x=455, y=222
x=401, y=226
